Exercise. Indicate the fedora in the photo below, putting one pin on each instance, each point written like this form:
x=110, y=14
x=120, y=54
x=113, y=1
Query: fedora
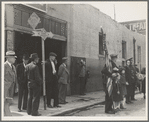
x=10, y=54
x=52, y=54
x=34, y=56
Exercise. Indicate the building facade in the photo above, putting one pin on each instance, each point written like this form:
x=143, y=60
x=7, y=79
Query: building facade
x=77, y=35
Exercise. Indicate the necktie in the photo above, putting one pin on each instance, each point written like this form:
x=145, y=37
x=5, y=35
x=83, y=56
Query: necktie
x=12, y=67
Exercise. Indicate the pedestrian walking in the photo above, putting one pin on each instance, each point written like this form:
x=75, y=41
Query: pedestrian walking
x=51, y=81
x=22, y=83
x=34, y=85
x=10, y=78
x=128, y=76
x=63, y=75
x=82, y=77
x=123, y=87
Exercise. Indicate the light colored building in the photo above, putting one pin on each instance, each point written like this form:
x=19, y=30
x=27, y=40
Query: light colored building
x=77, y=35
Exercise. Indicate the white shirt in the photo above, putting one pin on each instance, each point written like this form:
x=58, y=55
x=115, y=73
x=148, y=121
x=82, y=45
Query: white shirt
x=64, y=64
x=53, y=67
x=24, y=64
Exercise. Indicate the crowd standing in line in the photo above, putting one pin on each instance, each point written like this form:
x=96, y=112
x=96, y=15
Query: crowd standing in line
x=118, y=84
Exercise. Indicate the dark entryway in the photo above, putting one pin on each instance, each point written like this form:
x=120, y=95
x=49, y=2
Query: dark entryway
x=26, y=43
x=74, y=74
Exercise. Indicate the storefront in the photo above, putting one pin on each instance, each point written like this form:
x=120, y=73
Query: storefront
x=19, y=32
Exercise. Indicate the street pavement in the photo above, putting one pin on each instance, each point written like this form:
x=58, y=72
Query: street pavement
x=135, y=109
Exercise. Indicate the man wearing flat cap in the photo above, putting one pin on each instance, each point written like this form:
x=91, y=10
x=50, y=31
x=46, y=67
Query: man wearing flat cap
x=22, y=82
x=51, y=81
x=34, y=85
x=63, y=75
x=10, y=79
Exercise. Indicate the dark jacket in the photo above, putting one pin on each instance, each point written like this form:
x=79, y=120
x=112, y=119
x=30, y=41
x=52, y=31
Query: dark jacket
x=128, y=75
x=21, y=75
x=82, y=70
x=48, y=71
x=33, y=75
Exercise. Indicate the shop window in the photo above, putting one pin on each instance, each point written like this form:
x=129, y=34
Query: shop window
x=124, y=49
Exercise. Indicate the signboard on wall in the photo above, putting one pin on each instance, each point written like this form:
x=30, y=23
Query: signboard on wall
x=136, y=26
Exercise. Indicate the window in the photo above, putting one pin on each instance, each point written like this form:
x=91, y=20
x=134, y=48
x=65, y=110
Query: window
x=101, y=40
x=124, y=49
x=139, y=54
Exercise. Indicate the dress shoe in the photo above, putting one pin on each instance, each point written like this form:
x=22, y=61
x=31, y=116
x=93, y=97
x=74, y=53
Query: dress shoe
x=49, y=106
x=19, y=110
x=110, y=112
x=130, y=102
x=36, y=114
x=62, y=103
x=122, y=107
x=127, y=102
x=66, y=102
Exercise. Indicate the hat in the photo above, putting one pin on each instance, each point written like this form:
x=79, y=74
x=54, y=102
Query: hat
x=64, y=58
x=52, y=54
x=10, y=54
x=34, y=56
x=25, y=57
x=113, y=55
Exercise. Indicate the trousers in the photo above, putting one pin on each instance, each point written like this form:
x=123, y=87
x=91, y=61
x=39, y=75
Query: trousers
x=82, y=85
x=22, y=94
x=33, y=100
x=62, y=92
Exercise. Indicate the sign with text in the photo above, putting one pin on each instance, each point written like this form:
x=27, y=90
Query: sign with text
x=137, y=26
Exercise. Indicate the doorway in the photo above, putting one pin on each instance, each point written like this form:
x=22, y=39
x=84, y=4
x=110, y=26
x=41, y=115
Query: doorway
x=26, y=43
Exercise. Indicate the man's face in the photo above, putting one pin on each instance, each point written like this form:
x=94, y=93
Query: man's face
x=11, y=59
x=114, y=59
x=52, y=58
x=128, y=63
x=37, y=60
x=25, y=61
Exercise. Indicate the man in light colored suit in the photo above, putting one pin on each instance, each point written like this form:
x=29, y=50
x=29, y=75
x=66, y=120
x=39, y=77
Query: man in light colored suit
x=63, y=75
x=9, y=81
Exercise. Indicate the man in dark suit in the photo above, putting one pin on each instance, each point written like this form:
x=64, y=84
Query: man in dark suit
x=34, y=85
x=51, y=81
x=22, y=82
x=63, y=75
x=10, y=79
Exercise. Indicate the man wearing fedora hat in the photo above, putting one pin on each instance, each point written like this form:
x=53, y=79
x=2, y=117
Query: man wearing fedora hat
x=9, y=80
x=22, y=82
x=34, y=85
x=51, y=80
x=63, y=75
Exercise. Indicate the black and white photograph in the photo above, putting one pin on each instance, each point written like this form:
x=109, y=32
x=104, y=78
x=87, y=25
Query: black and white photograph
x=74, y=60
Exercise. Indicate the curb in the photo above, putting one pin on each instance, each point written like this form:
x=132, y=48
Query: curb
x=74, y=109
x=79, y=108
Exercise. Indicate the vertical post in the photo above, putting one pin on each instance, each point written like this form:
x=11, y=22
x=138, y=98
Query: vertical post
x=43, y=71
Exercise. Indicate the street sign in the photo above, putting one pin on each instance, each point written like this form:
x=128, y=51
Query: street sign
x=34, y=20
x=43, y=33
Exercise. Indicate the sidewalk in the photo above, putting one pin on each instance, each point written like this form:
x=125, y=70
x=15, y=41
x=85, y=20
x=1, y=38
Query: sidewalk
x=74, y=102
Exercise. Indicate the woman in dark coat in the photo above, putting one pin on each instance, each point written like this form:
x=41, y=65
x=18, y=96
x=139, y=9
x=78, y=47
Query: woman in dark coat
x=143, y=82
x=129, y=80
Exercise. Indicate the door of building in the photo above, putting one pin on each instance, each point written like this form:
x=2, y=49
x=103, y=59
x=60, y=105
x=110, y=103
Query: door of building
x=74, y=75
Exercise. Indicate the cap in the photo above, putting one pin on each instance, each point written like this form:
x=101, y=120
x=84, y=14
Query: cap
x=10, y=54
x=64, y=58
x=52, y=54
x=34, y=56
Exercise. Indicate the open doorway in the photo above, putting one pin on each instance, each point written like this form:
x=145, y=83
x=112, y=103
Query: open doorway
x=26, y=43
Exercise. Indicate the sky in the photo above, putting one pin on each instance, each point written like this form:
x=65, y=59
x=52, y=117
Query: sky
x=124, y=11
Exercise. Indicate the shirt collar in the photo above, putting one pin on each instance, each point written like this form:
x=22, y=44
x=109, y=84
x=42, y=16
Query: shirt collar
x=64, y=64
x=9, y=64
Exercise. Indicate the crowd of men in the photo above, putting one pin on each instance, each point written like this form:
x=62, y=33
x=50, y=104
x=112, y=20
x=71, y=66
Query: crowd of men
x=120, y=83
x=29, y=79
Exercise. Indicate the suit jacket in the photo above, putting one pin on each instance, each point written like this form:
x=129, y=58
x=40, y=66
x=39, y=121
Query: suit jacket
x=21, y=76
x=63, y=74
x=48, y=71
x=128, y=75
x=33, y=75
x=10, y=77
